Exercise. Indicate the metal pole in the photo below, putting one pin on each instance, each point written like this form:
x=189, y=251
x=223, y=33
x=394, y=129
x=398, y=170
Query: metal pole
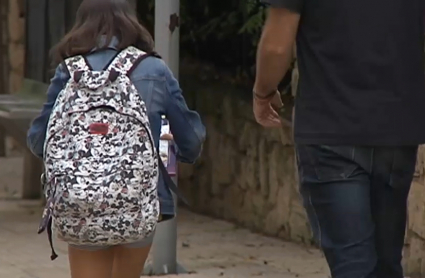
x=167, y=33
x=167, y=39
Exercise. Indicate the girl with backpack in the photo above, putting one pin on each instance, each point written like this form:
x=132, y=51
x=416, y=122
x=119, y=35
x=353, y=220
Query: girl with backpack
x=98, y=135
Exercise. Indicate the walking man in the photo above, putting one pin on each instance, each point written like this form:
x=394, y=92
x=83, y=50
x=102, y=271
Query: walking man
x=359, y=117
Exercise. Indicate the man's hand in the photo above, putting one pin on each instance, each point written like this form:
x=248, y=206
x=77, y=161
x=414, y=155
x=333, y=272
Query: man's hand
x=274, y=56
x=265, y=110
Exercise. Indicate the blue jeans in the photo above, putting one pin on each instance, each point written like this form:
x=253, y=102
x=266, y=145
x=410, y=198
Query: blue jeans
x=356, y=201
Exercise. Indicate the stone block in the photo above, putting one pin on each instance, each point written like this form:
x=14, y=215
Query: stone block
x=243, y=110
x=233, y=198
x=186, y=171
x=414, y=264
x=420, y=163
x=248, y=174
x=417, y=209
x=263, y=167
x=209, y=103
x=203, y=185
x=253, y=210
x=230, y=123
x=223, y=160
x=249, y=136
x=271, y=225
x=298, y=222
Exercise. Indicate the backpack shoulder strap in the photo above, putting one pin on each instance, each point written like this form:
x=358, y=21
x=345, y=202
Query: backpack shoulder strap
x=128, y=59
x=169, y=182
x=76, y=64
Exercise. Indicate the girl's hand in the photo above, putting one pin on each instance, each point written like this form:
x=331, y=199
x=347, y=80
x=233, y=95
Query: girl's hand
x=167, y=136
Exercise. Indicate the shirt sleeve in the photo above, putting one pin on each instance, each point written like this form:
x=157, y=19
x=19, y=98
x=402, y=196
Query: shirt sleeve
x=293, y=5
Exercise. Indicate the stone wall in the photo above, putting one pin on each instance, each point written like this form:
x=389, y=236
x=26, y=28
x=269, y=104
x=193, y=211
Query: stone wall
x=415, y=240
x=247, y=174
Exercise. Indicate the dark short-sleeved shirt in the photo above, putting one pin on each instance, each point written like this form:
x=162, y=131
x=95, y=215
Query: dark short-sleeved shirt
x=361, y=66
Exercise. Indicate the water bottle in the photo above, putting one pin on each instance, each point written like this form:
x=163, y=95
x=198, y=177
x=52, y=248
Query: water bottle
x=164, y=145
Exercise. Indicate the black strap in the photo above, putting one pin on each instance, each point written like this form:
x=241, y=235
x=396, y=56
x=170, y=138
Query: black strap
x=50, y=236
x=65, y=68
x=133, y=67
x=169, y=181
x=112, y=60
x=140, y=59
x=87, y=62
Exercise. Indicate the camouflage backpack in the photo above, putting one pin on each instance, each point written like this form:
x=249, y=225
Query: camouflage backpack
x=101, y=164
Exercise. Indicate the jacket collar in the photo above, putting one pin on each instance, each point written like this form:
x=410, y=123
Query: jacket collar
x=102, y=41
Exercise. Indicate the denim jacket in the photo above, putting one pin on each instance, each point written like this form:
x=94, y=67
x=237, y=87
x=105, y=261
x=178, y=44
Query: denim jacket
x=161, y=93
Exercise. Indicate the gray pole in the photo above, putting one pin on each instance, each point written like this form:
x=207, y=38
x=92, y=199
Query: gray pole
x=167, y=33
x=167, y=39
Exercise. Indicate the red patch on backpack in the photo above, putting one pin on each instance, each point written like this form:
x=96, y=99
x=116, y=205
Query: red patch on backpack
x=99, y=128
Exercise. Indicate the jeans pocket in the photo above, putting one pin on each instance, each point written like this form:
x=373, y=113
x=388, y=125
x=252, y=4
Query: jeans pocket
x=325, y=163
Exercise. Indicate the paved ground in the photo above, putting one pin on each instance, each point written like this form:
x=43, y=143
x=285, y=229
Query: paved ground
x=208, y=247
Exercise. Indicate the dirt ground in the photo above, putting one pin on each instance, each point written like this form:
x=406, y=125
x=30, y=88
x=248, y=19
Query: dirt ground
x=207, y=247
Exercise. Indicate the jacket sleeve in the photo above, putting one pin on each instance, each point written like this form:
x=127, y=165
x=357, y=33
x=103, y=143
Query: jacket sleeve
x=37, y=133
x=185, y=124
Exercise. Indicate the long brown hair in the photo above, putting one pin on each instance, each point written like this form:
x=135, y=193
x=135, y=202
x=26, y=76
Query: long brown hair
x=107, y=19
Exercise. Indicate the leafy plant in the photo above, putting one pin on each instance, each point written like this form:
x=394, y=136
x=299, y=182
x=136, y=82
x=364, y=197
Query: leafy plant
x=222, y=32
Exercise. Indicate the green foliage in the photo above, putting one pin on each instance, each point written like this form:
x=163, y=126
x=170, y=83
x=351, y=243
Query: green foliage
x=255, y=19
x=247, y=18
x=222, y=32
x=232, y=27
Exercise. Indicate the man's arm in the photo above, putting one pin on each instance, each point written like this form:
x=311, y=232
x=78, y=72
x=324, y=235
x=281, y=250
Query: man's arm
x=275, y=50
